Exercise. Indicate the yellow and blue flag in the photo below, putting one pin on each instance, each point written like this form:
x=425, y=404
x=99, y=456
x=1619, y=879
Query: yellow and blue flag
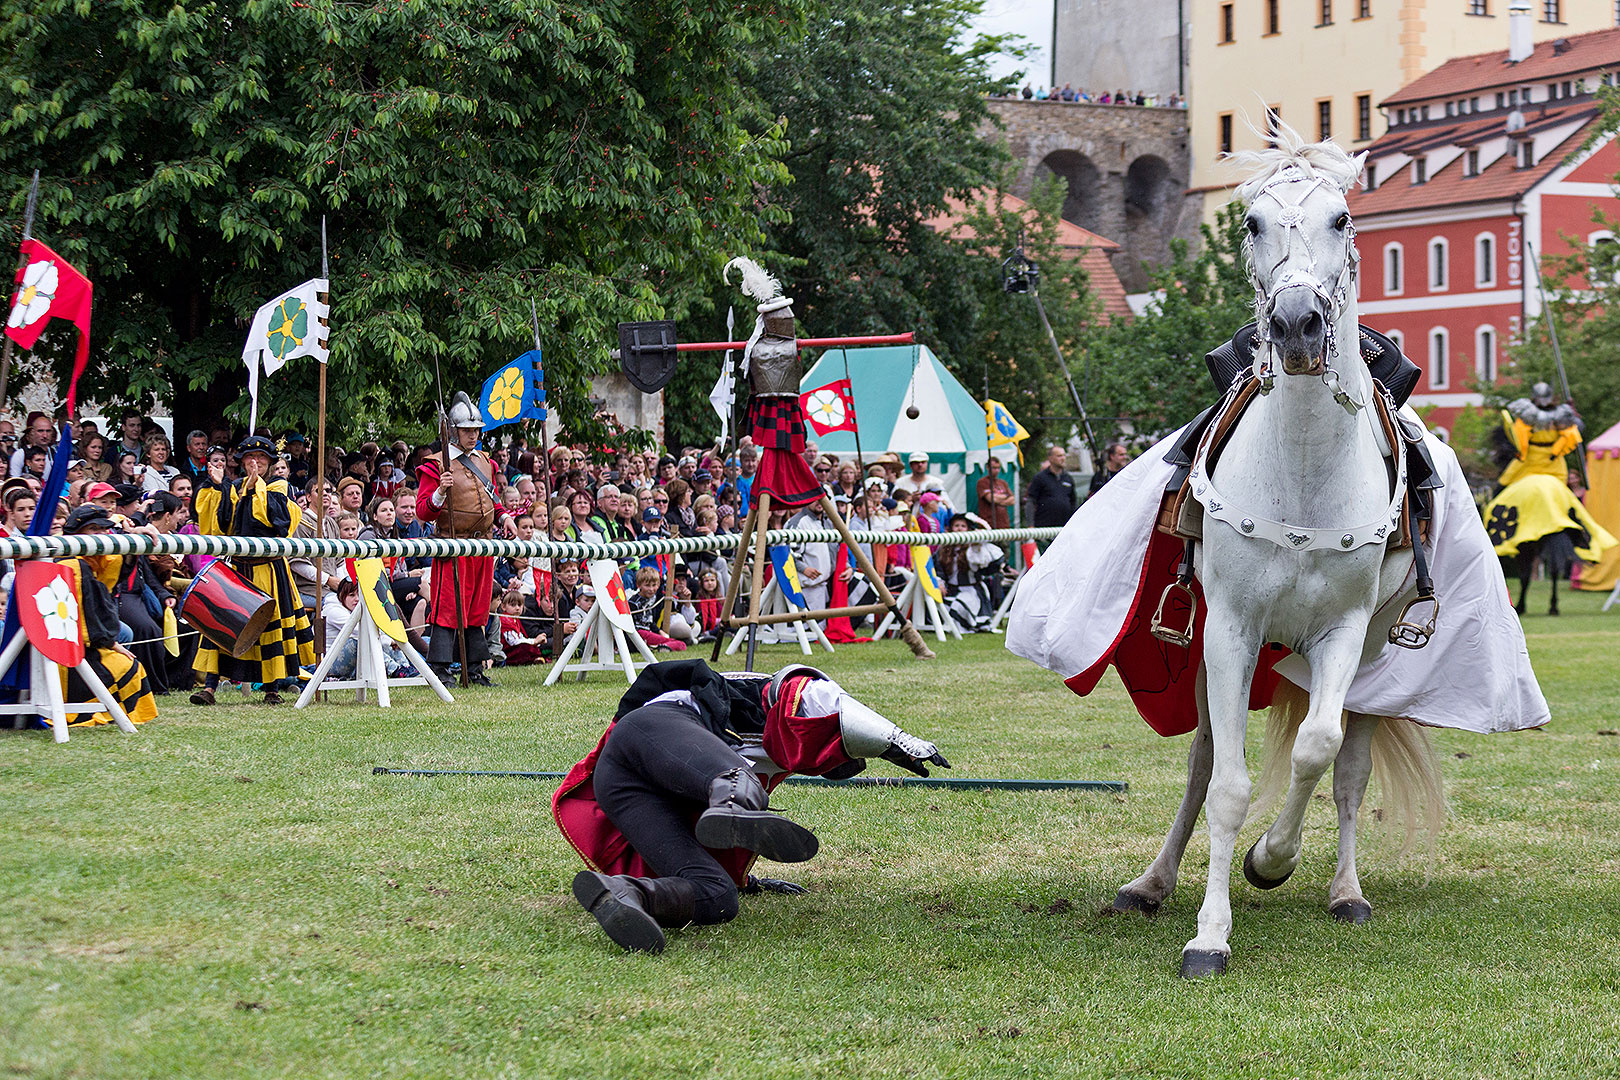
x=1003, y=429
x=922, y=561
x=516, y=392
x=787, y=574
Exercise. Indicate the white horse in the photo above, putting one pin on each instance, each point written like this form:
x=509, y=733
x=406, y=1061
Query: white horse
x=1294, y=550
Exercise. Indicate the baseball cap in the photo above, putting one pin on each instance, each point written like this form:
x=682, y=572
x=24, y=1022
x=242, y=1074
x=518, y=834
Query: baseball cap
x=97, y=490
x=917, y=455
x=928, y=497
x=128, y=493
x=651, y=514
x=587, y=590
x=702, y=474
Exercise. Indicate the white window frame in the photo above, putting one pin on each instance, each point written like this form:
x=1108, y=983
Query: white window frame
x=1398, y=252
x=1441, y=247
x=1399, y=339
x=1439, y=358
x=1485, y=270
x=1486, y=360
x=1592, y=239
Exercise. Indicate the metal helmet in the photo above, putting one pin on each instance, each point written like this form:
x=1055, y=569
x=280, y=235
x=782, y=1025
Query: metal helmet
x=1541, y=395
x=463, y=413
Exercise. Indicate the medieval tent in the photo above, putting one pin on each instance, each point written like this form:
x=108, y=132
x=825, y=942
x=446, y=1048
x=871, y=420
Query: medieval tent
x=1603, y=500
x=886, y=381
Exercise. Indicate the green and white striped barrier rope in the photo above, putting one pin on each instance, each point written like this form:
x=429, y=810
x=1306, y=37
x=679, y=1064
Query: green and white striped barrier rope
x=258, y=547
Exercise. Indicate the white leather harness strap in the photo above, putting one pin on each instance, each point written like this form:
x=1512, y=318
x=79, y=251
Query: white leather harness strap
x=1299, y=537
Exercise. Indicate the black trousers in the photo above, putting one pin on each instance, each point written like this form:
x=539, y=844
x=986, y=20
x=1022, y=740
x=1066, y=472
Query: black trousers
x=445, y=648
x=153, y=657
x=652, y=780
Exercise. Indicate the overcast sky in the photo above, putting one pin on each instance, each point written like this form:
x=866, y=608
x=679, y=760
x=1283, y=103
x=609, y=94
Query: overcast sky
x=1031, y=19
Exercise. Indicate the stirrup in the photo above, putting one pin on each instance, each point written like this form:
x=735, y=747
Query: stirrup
x=1169, y=635
x=1410, y=635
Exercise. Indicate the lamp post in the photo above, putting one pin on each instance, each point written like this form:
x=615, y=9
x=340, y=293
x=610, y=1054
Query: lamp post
x=1021, y=274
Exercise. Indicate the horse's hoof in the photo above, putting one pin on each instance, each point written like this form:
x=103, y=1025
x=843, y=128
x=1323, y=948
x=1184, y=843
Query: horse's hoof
x=1254, y=875
x=1354, y=912
x=1200, y=963
x=1129, y=901
x=1554, y=611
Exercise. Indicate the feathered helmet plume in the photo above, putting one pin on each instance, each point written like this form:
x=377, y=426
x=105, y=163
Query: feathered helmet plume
x=756, y=281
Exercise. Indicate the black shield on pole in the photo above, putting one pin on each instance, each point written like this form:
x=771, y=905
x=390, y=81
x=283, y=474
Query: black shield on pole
x=647, y=354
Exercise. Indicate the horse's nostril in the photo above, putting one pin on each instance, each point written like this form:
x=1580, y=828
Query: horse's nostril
x=1279, y=329
x=1312, y=323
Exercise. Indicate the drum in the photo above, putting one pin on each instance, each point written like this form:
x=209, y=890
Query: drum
x=227, y=609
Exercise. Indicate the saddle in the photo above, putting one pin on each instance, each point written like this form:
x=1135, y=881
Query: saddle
x=1231, y=368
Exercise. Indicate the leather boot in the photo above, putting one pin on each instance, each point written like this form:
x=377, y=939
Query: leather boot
x=737, y=818
x=633, y=910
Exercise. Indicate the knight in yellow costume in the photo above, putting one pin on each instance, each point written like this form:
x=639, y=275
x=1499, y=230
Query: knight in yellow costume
x=255, y=505
x=1535, y=500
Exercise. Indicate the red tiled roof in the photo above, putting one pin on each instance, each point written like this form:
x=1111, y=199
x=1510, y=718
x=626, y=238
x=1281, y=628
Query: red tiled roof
x=1550, y=60
x=1502, y=179
x=1094, y=249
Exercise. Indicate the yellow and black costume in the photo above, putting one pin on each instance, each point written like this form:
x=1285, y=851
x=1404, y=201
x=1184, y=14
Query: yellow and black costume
x=288, y=642
x=98, y=612
x=1535, y=500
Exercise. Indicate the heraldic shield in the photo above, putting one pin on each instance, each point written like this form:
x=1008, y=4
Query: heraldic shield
x=378, y=596
x=47, y=599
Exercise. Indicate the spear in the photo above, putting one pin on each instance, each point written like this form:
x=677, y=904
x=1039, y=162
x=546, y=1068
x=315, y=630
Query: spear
x=1558, y=355
x=22, y=260
x=455, y=563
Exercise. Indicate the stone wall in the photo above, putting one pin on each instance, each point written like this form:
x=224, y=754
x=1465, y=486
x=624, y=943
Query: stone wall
x=1126, y=168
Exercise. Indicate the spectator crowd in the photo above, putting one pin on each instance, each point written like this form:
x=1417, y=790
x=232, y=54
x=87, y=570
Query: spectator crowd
x=571, y=493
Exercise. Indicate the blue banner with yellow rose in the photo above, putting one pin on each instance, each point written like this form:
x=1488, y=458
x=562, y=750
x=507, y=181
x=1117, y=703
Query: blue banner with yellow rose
x=516, y=392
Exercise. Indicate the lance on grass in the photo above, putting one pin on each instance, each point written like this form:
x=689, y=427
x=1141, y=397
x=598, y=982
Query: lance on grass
x=950, y=783
x=22, y=261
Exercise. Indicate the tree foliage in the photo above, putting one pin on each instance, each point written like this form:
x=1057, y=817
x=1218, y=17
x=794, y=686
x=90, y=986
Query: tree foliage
x=998, y=340
x=881, y=106
x=597, y=159
x=1151, y=370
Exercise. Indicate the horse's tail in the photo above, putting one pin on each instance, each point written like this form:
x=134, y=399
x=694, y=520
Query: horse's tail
x=1403, y=759
x=1408, y=772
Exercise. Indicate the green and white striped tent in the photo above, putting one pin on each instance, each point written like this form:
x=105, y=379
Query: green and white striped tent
x=949, y=427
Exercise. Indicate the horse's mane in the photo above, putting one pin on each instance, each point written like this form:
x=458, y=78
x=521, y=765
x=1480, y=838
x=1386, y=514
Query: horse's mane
x=1325, y=159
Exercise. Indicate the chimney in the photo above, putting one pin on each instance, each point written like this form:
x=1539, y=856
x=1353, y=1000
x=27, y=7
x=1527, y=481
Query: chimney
x=1519, y=27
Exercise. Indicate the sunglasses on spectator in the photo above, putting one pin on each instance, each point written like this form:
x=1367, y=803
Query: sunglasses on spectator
x=665, y=499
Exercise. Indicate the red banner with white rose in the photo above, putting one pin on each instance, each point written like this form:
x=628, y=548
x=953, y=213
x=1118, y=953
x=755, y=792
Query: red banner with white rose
x=46, y=595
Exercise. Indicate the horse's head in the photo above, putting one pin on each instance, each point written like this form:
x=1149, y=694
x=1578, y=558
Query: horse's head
x=1301, y=250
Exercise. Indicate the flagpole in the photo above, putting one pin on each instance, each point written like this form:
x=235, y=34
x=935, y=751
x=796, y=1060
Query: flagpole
x=320, y=448
x=545, y=500
x=22, y=261
x=860, y=465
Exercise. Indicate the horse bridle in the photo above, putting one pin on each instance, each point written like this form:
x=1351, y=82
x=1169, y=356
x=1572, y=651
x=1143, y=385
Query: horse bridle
x=1291, y=216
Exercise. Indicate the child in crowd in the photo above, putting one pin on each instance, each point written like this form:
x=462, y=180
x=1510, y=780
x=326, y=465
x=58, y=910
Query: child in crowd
x=651, y=613
x=522, y=645
x=584, y=601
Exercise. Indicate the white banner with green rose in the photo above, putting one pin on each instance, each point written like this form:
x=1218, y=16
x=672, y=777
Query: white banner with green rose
x=290, y=325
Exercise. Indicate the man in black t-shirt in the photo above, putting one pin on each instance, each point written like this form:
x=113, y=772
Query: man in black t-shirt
x=1051, y=492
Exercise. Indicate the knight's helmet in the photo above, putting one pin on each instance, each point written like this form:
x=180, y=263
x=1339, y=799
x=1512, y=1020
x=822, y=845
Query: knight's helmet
x=1541, y=395
x=771, y=359
x=463, y=413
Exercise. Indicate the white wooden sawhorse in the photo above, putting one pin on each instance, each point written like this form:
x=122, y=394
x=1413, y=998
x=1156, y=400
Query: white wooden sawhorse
x=44, y=694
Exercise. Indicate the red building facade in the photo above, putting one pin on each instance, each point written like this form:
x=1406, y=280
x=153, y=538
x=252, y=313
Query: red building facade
x=1478, y=171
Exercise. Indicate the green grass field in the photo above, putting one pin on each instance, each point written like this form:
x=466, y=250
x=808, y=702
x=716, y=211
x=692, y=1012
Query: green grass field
x=232, y=893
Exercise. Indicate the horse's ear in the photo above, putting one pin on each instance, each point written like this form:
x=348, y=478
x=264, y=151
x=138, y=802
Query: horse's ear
x=1359, y=161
